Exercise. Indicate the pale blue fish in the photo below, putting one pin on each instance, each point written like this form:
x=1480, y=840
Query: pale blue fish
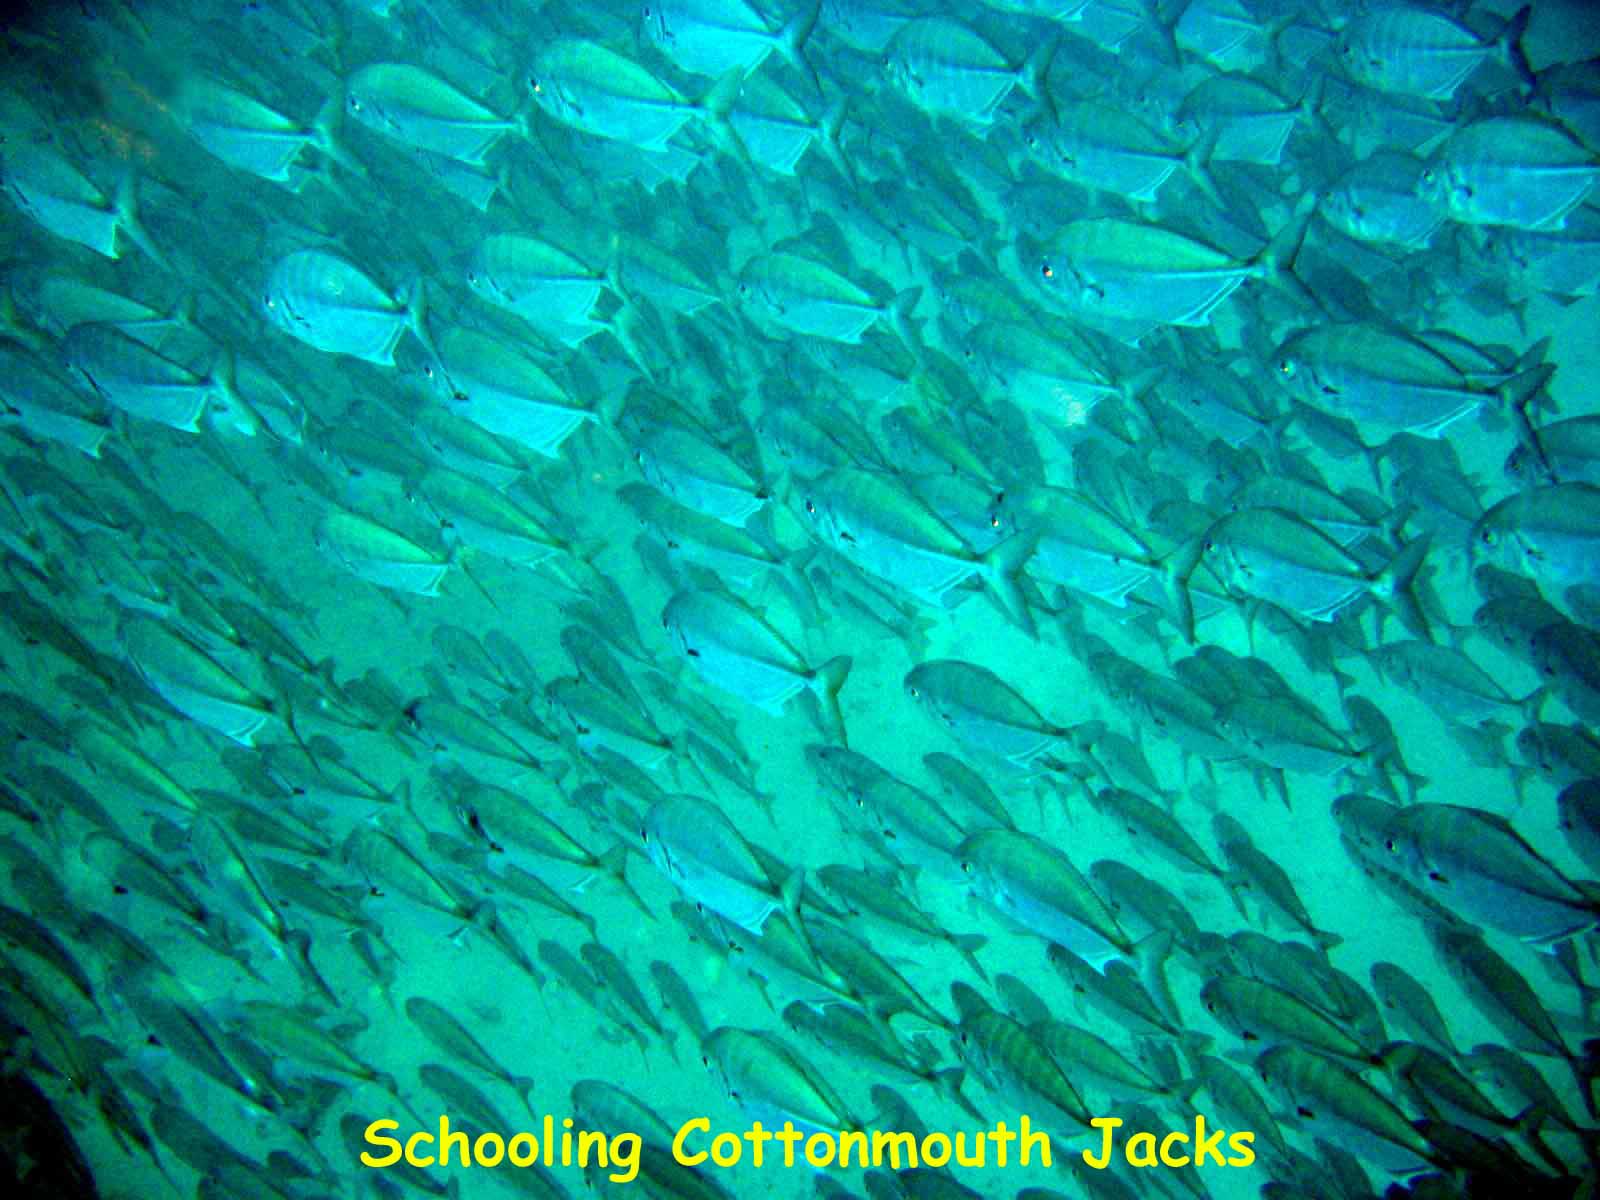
x=704, y=855
x=801, y=294
x=250, y=136
x=1551, y=533
x=876, y=522
x=1275, y=556
x=1133, y=275
x=735, y=649
x=988, y=715
x=697, y=473
x=495, y=385
x=1474, y=862
x=192, y=680
x=37, y=400
x=54, y=192
x=594, y=89
x=330, y=304
x=1411, y=50
x=1395, y=380
x=1521, y=171
x=1377, y=200
x=713, y=37
x=777, y=129
x=948, y=68
x=143, y=382
x=415, y=107
x=540, y=282
x=1036, y=888
x=380, y=555
x=1105, y=147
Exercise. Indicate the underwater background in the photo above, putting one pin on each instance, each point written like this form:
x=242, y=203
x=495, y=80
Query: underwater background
x=881, y=564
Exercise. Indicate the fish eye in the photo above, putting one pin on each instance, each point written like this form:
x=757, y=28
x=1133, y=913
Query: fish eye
x=355, y=104
x=811, y=507
x=1047, y=271
x=535, y=87
x=966, y=868
x=1286, y=368
x=912, y=692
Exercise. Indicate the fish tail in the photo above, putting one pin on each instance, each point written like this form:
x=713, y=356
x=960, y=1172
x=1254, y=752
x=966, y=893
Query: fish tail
x=714, y=108
x=899, y=314
x=615, y=864
x=417, y=321
x=324, y=136
x=1001, y=566
x=825, y=683
x=1509, y=46
x=1035, y=69
x=127, y=205
x=1394, y=586
x=792, y=41
x=968, y=945
x=1175, y=571
x=1197, y=162
x=1277, y=258
x=828, y=140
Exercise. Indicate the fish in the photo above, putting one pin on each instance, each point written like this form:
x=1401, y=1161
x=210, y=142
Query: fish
x=250, y=136
x=498, y=387
x=52, y=190
x=708, y=37
x=770, y=1080
x=1395, y=381
x=415, y=107
x=594, y=89
x=984, y=712
x=330, y=304
x=1275, y=556
x=1546, y=533
x=1410, y=50
x=1129, y=276
x=694, y=844
x=734, y=648
x=1515, y=171
x=1036, y=887
x=948, y=68
x=130, y=375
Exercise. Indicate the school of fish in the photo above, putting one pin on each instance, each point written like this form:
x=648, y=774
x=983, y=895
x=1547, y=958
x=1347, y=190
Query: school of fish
x=935, y=561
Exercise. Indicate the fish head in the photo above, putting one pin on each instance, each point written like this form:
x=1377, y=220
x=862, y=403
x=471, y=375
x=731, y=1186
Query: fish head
x=1057, y=277
x=655, y=25
x=1341, y=207
x=1365, y=825
x=1523, y=465
x=1441, y=186
x=902, y=72
x=1359, y=61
